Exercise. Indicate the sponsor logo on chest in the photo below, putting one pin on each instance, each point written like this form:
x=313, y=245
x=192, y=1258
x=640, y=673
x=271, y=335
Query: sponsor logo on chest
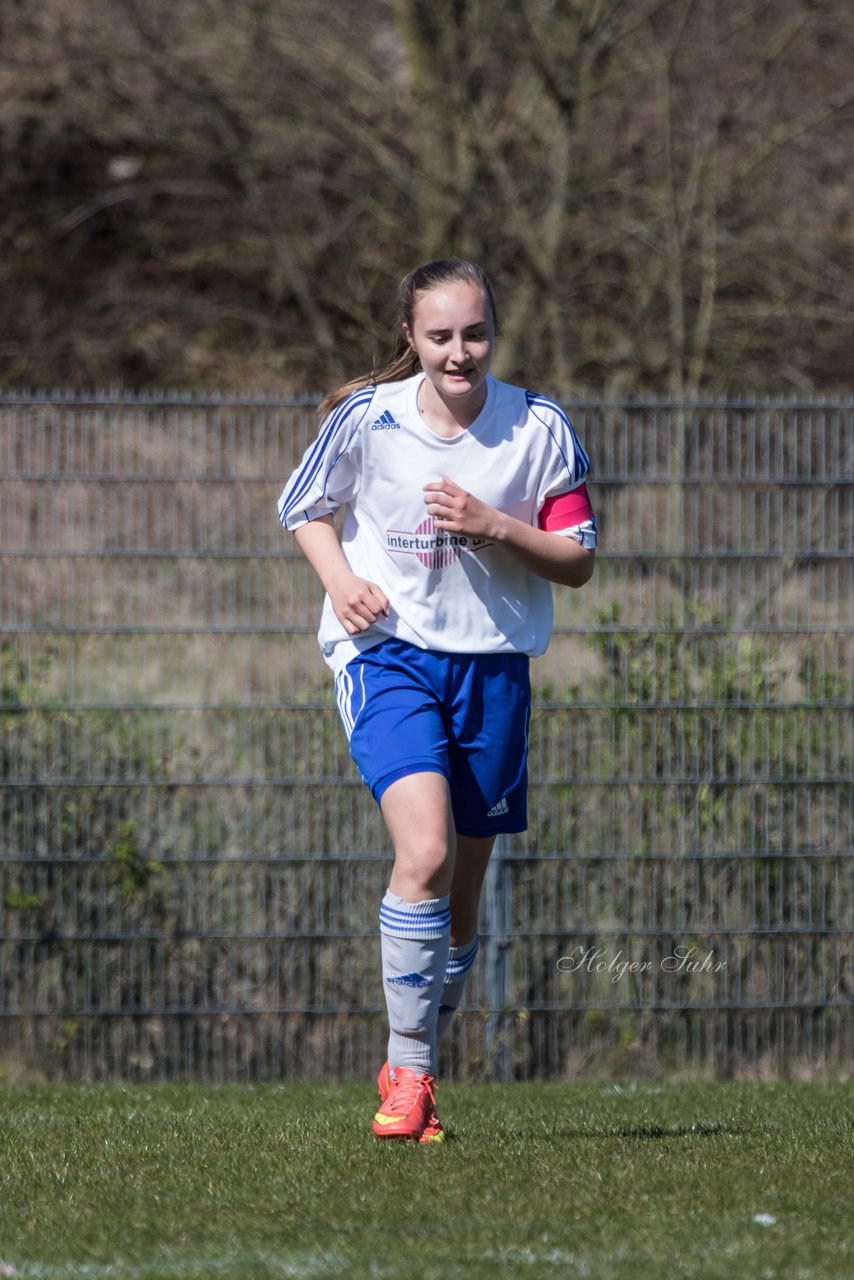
x=435, y=548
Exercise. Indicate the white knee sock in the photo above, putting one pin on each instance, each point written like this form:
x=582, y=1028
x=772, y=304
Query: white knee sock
x=415, y=937
x=460, y=963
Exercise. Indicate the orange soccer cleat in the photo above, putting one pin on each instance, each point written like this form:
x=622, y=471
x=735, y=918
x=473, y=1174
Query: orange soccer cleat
x=407, y=1107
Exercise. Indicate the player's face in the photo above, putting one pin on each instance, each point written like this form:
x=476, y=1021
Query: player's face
x=454, y=334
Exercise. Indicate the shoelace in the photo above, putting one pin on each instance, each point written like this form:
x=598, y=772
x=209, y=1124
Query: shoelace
x=405, y=1094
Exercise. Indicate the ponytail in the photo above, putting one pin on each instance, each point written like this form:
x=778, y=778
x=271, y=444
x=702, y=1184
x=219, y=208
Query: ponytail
x=403, y=363
x=404, y=360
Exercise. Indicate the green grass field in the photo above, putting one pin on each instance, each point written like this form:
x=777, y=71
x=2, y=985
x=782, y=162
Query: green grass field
x=620, y=1181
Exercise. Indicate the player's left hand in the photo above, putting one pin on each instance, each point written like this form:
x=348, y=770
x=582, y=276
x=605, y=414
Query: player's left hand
x=457, y=511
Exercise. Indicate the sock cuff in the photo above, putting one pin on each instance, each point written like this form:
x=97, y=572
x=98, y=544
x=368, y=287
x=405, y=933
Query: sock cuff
x=461, y=959
x=429, y=920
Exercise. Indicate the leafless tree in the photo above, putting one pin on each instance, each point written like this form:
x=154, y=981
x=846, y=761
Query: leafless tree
x=228, y=194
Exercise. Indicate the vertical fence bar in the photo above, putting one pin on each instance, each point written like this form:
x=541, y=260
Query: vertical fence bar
x=497, y=943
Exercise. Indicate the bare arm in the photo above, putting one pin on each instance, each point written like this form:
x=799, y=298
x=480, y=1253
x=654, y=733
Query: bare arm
x=357, y=602
x=559, y=559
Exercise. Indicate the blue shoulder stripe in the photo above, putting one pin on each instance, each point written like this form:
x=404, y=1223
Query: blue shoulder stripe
x=542, y=402
x=304, y=479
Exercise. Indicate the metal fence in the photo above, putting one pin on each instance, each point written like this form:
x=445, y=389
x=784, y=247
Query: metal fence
x=190, y=870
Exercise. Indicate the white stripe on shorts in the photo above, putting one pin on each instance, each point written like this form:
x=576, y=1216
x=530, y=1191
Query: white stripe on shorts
x=344, y=691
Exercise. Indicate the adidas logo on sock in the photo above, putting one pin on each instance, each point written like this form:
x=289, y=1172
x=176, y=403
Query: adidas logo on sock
x=409, y=980
x=498, y=809
x=385, y=422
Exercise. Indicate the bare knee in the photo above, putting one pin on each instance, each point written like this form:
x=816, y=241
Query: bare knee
x=423, y=868
x=417, y=811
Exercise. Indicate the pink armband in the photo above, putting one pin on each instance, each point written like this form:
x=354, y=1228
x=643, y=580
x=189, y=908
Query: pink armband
x=566, y=510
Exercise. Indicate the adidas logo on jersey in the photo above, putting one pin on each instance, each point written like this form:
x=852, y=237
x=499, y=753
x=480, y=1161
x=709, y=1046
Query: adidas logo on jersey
x=409, y=980
x=385, y=422
x=498, y=809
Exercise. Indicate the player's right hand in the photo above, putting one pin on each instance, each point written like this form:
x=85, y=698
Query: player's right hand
x=357, y=603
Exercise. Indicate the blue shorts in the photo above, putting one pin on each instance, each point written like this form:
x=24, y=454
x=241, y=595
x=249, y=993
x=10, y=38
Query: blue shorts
x=408, y=710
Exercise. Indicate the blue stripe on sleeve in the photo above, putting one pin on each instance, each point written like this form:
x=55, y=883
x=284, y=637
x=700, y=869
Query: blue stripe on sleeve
x=305, y=477
x=582, y=460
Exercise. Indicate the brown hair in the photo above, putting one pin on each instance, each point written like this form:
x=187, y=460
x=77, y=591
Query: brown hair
x=404, y=361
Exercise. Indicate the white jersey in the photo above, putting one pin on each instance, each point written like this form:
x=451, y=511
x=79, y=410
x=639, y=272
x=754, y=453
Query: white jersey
x=448, y=592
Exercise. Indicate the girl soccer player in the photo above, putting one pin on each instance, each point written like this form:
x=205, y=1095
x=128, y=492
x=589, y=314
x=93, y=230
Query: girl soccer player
x=463, y=499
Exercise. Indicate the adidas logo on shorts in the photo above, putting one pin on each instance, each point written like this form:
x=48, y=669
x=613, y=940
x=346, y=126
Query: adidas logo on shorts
x=499, y=809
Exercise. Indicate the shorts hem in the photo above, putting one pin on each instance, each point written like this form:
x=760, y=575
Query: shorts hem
x=495, y=829
x=380, y=785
